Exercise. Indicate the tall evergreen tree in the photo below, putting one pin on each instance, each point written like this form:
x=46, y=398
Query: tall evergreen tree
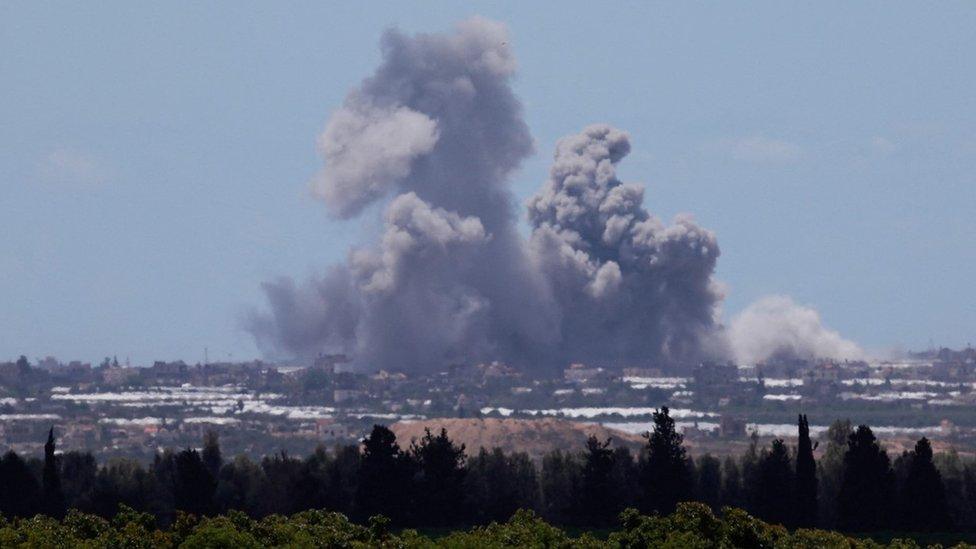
x=78, y=472
x=774, y=489
x=52, y=498
x=806, y=477
x=708, y=481
x=665, y=476
x=194, y=486
x=830, y=472
x=497, y=485
x=559, y=479
x=211, y=453
x=597, y=499
x=19, y=493
x=440, y=482
x=950, y=466
x=342, y=473
x=967, y=513
x=626, y=477
x=125, y=482
x=238, y=485
x=385, y=473
x=923, y=498
x=867, y=490
x=731, y=483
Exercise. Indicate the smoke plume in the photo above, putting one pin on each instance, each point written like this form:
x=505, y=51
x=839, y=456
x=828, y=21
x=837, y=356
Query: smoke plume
x=435, y=134
x=776, y=327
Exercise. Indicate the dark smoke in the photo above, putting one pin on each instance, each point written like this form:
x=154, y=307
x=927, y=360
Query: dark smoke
x=630, y=289
x=438, y=128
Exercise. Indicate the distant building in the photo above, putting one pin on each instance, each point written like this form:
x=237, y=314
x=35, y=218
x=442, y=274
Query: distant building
x=329, y=430
x=731, y=427
x=329, y=363
x=712, y=381
x=118, y=376
x=345, y=396
x=580, y=373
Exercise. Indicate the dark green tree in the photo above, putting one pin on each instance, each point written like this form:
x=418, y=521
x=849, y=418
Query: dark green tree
x=953, y=472
x=78, y=472
x=194, y=486
x=749, y=461
x=385, y=475
x=342, y=473
x=626, y=478
x=774, y=486
x=731, y=483
x=923, y=498
x=19, y=492
x=439, y=492
x=280, y=490
x=598, y=494
x=211, y=453
x=665, y=475
x=497, y=485
x=867, y=490
x=967, y=507
x=125, y=482
x=806, y=477
x=52, y=497
x=708, y=481
x=559, y=480
x=238, y=485
x=830, y=472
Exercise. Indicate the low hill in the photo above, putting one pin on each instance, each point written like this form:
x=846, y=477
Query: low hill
x=533, y=436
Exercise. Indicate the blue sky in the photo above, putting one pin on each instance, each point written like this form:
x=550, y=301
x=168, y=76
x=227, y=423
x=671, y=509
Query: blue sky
x=155, y=159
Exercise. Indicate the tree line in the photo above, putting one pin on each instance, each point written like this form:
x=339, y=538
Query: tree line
x=855, y=486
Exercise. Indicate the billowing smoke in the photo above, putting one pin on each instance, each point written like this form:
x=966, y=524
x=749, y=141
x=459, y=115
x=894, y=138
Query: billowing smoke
x=628, y=286
x=435, y=133
x=438, y=126
x=777, y=327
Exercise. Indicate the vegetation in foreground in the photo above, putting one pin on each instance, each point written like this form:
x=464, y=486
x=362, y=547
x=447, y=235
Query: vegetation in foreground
x=692, y=525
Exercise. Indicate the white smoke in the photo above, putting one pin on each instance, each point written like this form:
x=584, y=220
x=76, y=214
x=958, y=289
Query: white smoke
x=368, y=149
x=776, y=326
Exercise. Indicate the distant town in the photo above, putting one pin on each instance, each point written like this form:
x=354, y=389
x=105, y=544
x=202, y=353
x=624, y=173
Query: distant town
x=258, y=408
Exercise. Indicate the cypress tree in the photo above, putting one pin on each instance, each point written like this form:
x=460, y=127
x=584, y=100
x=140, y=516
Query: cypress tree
x=806, y=477
x=924, y=506
x=598, y=501
x=731, y=483
x=194, y=486
x=666, y=476
x=384, y=476
x=708, y=481
x=774, y=489
x=867, y=489
x=830, y=470
x=211, y=453
x=52, y=497
x=440, y=485
x=559, y=481
x=19, y=493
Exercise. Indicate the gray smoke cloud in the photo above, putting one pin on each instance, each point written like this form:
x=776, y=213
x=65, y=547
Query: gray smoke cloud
x=629, y=286
x=438, y=126
x=436, y=133
x=777, y=327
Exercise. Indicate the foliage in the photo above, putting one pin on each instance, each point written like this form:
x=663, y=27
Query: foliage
x=692, y=525
x=666, y=475
x=177, y=499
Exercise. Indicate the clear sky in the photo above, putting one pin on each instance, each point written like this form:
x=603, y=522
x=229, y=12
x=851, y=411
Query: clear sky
x=155, y=158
